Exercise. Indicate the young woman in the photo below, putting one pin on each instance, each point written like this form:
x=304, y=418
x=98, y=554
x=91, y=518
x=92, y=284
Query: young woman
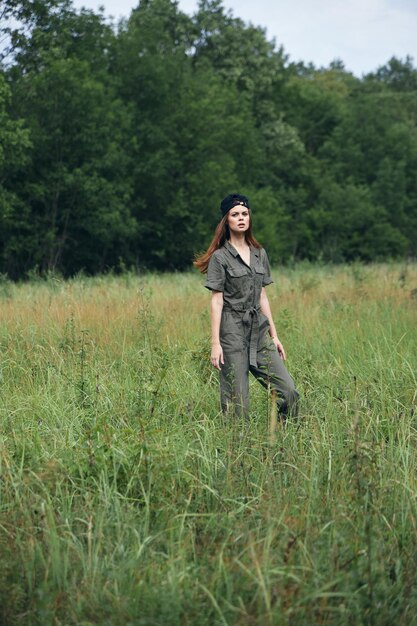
x=243, y=334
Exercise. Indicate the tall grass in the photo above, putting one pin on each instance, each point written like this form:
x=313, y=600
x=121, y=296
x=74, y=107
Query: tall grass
x=126, y=498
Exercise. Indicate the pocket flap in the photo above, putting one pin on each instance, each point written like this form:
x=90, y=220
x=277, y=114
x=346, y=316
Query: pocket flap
x=236, y=272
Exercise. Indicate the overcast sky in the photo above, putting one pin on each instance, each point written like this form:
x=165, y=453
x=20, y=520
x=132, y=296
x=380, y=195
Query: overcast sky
x=364, y=34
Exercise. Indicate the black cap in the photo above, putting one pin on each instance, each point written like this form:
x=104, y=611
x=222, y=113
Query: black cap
x=232, y=200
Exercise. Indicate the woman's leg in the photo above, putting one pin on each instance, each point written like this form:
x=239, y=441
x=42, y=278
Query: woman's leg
x=272, y=374
x=234, y=383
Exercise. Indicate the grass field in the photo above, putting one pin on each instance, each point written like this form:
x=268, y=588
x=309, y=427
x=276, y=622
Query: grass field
x=125, y=497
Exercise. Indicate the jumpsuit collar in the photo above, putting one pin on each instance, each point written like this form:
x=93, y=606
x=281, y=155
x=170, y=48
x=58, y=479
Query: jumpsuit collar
x=253, y=251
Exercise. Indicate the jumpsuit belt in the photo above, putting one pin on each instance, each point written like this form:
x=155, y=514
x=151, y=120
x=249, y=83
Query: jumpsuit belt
x=251, y=319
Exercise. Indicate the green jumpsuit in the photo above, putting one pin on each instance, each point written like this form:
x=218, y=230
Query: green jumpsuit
x=246, y=343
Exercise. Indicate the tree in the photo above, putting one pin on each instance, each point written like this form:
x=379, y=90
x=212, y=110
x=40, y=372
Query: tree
x=76, y=188
x=315, y=103
x=194, y=138
x=375, y=145
x=14, y=146
x=398, y=75
x=348, y=225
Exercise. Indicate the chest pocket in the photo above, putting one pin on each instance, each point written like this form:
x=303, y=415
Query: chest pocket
x=236, y=281
x=259, y=275
x=260, y=271
x=236, y=272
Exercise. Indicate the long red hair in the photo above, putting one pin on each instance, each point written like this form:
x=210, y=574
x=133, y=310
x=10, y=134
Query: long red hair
x=221, y=235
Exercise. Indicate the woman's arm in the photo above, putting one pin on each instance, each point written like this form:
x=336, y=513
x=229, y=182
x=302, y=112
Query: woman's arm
x=216, y=316
x=266, y=310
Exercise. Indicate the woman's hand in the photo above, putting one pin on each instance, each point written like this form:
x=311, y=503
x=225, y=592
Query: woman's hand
x=217, y=356
x=279, y=347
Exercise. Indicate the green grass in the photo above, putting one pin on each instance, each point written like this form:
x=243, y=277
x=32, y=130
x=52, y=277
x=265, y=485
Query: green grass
x=126, y=498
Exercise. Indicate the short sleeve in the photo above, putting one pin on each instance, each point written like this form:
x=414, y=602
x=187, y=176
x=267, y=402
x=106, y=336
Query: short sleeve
x=216, y=274
x=267, y=280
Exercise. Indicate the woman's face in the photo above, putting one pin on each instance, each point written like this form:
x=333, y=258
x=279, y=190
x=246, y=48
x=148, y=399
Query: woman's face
x=238, y=219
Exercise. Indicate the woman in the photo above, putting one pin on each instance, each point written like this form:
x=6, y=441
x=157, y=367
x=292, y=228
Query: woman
x=243, y=334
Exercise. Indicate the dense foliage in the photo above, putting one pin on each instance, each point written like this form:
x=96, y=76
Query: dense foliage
x=117, y=142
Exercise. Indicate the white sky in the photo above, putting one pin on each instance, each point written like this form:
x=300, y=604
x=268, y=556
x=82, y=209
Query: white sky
x=364, y=34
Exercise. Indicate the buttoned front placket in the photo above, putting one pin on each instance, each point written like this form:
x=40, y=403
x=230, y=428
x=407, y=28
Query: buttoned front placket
x=250, y=317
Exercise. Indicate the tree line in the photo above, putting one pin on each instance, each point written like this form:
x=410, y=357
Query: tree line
x=117, y=142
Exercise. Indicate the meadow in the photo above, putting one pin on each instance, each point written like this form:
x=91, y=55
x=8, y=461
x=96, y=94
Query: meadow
x=126, y=498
